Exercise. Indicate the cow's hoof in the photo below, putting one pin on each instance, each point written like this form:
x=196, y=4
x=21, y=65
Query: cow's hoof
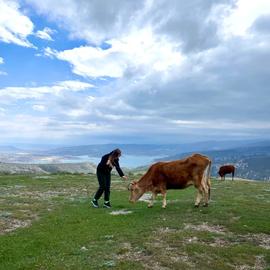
x=150, y=206
x=163, y=207
x=196, y=205
x=205, y=205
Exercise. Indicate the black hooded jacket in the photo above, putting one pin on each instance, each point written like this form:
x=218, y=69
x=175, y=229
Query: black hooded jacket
x=103, y=167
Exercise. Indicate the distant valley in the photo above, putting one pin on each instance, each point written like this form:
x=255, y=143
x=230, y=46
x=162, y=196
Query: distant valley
x=252, y=159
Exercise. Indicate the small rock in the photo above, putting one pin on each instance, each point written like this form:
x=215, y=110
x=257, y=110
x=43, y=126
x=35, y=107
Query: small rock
x=84, y=249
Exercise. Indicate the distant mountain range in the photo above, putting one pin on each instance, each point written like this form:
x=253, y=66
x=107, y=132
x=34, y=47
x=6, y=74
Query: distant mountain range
x=252, y=158
x=150, y=149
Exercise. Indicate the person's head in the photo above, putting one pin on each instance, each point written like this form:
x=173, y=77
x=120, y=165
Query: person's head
x=115, y=154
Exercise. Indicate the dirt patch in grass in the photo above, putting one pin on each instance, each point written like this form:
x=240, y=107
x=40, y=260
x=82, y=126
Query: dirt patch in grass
x=120, y=212
x=166, y=230
x=20, y=191
x=260, y=264
x=11, y=224
x=261, y=239
x=24, y=205
x=146, y=197
x=146, y=258
x=206, y=227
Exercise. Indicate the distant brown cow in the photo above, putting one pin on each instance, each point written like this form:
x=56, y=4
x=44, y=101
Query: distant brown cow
x=226, y=169
x=178, y=174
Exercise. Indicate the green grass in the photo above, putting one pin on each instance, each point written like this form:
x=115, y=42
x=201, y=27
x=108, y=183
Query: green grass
x=62, y=231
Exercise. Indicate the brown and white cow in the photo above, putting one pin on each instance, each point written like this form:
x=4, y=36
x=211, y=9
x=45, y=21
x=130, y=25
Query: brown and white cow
x=178, y=174
x=226, y=169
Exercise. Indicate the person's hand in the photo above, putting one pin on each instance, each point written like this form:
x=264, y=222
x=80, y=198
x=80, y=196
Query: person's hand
x=125, y=177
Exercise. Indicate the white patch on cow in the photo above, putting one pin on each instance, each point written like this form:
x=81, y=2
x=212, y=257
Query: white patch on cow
x=120, y=212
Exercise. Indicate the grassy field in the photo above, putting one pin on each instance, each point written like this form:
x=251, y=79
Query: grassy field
x=46, y=222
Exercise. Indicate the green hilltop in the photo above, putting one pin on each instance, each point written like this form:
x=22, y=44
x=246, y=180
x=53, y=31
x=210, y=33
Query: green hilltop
x=46, y=222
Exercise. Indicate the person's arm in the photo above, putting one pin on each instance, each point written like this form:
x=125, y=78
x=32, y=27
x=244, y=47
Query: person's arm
x=118, y=169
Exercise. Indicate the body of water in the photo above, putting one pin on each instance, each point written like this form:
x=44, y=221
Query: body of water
x=128, y=161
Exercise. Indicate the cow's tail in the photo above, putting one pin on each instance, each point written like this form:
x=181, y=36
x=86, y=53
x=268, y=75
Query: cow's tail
x=208, y=178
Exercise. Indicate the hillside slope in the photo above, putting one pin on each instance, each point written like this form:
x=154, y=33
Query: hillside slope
x=18, y=168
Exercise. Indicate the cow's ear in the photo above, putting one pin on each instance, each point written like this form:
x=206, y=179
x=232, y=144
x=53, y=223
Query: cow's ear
x=129, y=186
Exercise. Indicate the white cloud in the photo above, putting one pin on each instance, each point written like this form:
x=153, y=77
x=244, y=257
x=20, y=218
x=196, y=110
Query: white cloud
x=223, y=125
x=45, y=34
x=175, y=72
x=94, y=21
x=2, y=112
x=3, y=73
x=186, y=22
x=38, y=107
x=138, y=50
x=17, y=126
x=15, y=27
x=244, y=15
x=16, y=93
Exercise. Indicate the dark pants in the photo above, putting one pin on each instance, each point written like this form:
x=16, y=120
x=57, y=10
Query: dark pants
x=104, y=180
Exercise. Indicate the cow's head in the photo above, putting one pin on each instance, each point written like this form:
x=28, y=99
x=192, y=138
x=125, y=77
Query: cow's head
x=221, y=174
x=135, y=191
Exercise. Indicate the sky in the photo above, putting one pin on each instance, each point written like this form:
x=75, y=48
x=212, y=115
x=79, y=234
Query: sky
x=124, y=71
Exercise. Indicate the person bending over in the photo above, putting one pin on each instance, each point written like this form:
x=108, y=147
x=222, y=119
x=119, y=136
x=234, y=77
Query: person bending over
x=104, y=168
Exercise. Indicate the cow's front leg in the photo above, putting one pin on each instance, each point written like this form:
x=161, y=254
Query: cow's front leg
x=164, y=202
x=153, y=197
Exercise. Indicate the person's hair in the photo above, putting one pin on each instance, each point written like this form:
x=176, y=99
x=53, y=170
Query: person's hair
x=115, y=154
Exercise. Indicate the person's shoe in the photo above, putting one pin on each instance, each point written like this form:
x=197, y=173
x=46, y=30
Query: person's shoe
x=107, y=205
x=95, y=203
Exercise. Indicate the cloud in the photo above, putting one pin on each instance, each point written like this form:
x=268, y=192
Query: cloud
x=17, y=126
x=2, y=112
x=163, y=70
x=99, y=21
x=15, y=27
x=244, y=15
x=229, y=82
x=261, y=24
x=40, y=92
x=139, y=50
x=45, y=34
x=38, y=107
x=188, y=23
x=3, y=73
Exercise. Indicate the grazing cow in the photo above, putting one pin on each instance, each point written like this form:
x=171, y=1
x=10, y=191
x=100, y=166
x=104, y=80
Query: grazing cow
x=178, y=174
x=223, y=170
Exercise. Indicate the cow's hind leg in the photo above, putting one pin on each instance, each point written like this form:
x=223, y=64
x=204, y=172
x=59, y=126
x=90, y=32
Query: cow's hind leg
x=205, y=195
x=151, y=203
x=199, y=196
x=164, y=202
